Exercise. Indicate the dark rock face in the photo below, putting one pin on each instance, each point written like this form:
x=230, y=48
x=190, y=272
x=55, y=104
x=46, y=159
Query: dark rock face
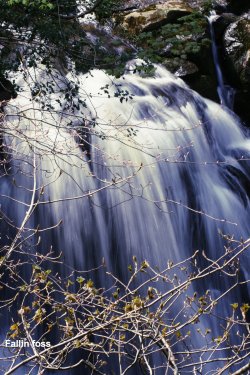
x=238, y=6
x=181, y=67
x=220, y=5
x=6, y=90
x=221, y=24
x=237, y=45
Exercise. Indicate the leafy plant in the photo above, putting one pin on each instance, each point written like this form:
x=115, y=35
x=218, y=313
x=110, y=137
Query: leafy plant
x=106, y=8
x=184, y=39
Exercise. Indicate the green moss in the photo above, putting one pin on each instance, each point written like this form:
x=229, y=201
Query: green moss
x=207, y=6
x=184, y=39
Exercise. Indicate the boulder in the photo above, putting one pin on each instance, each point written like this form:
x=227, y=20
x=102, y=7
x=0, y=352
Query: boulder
x=222, y=22
x=6, y=90
x=153, y=16
x=180, y=67
x=237, y=46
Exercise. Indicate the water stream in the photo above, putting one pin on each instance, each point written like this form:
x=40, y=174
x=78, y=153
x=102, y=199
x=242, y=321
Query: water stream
x=180, y=159
x=225, y=92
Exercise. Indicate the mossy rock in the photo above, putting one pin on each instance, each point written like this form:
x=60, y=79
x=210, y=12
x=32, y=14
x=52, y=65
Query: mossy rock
x=153, y=17
x=180, y=67
x=180, y=41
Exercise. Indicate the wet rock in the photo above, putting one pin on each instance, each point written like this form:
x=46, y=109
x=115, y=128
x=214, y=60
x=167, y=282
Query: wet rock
x=166, y=51
x=220, y=5
x=180, y=67
x=6, y=90
x=104, y=48
x=222, y=22
x=205, y=85
x=237, y=46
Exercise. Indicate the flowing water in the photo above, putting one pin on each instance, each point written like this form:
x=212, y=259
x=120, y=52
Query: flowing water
x=225, y=92
x=167, y=171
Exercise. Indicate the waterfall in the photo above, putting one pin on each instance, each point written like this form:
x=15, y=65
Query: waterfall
x=225, y=92
x=168, y=171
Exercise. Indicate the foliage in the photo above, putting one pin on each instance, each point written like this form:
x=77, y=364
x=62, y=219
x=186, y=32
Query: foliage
x=42, y=26
x=106, y=9
x=40, y=4
x=54, y=36
x=184, y=39
x=207, y=6
x=36, y=24
x=53, y=31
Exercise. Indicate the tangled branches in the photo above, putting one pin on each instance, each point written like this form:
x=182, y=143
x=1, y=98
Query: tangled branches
x=130, y=323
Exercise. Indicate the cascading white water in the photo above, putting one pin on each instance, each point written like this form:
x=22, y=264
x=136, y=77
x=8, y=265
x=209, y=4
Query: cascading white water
x=167, y=170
